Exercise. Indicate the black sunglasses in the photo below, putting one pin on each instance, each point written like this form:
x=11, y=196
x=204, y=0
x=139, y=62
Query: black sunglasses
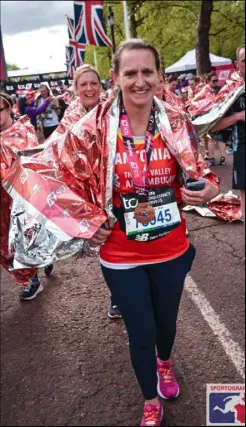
x=215, y=81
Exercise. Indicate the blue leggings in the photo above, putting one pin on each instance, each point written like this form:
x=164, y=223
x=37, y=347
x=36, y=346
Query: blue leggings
x=148, y=298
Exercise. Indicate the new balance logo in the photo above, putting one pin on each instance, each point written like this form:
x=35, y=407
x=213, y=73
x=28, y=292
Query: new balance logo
x=142, y=237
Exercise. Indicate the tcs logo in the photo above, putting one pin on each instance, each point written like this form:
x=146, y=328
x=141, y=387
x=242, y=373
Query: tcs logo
x=130, y=204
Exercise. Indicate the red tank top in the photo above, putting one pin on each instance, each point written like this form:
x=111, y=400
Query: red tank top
x=163, y=168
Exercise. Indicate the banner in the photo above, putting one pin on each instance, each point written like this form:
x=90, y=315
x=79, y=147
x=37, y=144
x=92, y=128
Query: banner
x=224, y=73
x=20, y=84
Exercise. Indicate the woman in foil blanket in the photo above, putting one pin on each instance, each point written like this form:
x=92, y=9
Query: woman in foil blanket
x=87, y=86
x=167, y=95
x=146, y=256
x=204, y=100
x=210, y=95
x=120, y=166
x=193, y=88
x=87, y=89
x=235, y=117
x=142, y=143
x=16, y=135
x=214, y=137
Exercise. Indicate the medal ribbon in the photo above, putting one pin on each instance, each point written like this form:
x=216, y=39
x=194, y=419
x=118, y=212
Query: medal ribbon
x=140, y=178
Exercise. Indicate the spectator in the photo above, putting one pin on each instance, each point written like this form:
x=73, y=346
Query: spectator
x=110, y=88
x=61, y=87
x=182, y=82
x=27, y=107
x=61, y=102
x=50, y=118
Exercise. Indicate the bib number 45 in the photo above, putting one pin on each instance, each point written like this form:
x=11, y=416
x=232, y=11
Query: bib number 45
x=160, y=218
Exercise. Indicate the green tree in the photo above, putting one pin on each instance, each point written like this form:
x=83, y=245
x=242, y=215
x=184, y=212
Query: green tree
x=228, y=27
x=172, y=27
x=12, y=67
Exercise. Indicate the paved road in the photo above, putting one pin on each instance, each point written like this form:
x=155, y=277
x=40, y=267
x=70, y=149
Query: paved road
x=65, y=363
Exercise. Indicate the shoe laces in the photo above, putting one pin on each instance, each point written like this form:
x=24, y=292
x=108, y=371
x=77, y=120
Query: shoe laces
x=28, y=287
x=151, y=417
x=166, y=374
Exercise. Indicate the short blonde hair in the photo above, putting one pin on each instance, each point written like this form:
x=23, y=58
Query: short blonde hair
x=84, y=69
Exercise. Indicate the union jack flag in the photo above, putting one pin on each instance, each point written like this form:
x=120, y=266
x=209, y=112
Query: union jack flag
x=70, y=60
x=77, y=48
x=89, y=23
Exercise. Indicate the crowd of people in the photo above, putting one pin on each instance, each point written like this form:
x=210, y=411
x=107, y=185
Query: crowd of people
x=128, y=145
x=46, y=107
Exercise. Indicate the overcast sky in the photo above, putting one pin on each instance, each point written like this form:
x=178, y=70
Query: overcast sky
x=35, y=33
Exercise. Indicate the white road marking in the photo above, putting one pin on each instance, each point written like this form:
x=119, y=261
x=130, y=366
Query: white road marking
x=232, y=349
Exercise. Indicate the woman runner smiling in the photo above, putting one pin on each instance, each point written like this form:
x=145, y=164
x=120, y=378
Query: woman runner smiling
x=146, y=277
x=128, y=155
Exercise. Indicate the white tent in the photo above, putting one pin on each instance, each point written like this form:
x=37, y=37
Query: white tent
x=188, y=62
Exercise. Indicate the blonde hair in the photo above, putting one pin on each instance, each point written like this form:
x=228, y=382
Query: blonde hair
x=84, y=69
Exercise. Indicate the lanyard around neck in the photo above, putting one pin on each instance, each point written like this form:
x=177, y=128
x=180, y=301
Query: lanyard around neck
x=140, y=178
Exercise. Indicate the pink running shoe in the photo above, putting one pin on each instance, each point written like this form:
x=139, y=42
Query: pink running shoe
x=167, y=386
x=152, y=416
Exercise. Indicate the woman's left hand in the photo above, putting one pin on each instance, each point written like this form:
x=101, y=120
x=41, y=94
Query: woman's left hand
x=197, y=198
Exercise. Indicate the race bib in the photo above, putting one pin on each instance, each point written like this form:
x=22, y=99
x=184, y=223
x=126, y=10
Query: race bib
x=167, y=215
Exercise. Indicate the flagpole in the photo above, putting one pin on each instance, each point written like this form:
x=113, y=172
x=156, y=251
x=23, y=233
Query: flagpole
x=126, y=21
x=95, y=59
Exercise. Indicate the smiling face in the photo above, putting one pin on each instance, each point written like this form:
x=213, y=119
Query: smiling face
x=137, y=77
x=44, y=91
x=89, y=89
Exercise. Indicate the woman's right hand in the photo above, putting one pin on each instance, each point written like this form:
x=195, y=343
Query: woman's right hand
x=241, y=116
x=99, y=237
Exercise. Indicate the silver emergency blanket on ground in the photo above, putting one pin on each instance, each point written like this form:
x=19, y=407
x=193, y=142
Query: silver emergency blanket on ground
x=225, y=206
x=201, y=210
